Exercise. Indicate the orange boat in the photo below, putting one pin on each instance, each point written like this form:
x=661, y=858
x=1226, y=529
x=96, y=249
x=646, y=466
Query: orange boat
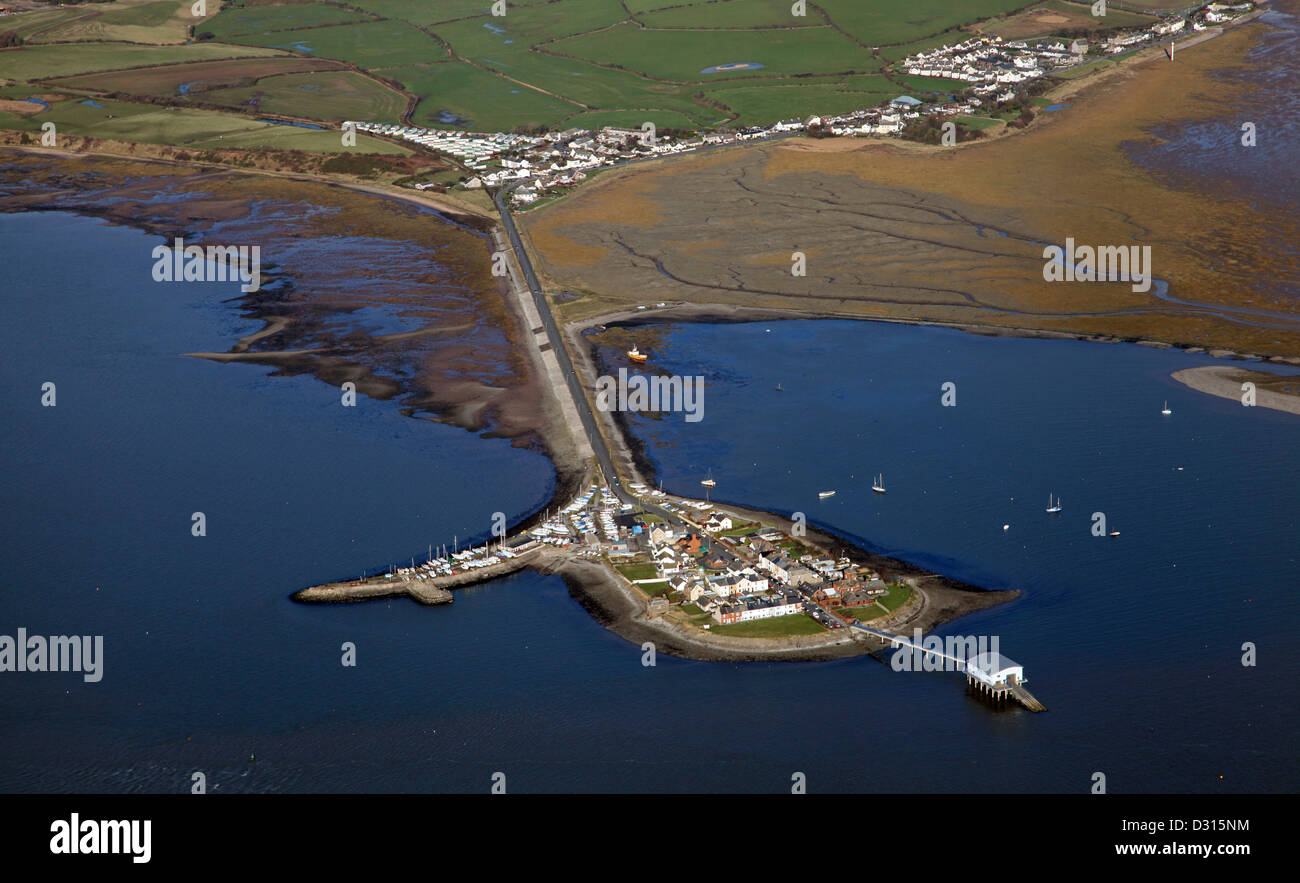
x=636, y=355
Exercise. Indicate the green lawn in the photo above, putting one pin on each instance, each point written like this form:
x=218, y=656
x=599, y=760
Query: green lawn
x=974, y=122
x=896, y=596
x=863, y=614
x=780, y=626
x=635, y=572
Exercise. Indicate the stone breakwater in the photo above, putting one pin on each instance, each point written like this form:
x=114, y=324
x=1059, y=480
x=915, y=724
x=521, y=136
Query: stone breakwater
x=436, y=590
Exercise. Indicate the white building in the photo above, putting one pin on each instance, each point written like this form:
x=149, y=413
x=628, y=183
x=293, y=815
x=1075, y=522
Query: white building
x=995, y=670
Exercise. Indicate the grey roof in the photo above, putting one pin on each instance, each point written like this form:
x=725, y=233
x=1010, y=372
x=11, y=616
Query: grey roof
x=992, y=663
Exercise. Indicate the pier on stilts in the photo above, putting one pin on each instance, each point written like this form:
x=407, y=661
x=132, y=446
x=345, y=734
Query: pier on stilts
x=998, y=680
x=990, y=675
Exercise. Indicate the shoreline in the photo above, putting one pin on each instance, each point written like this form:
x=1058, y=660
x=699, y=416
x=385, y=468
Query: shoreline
x=1225, y=382
x=719, y=313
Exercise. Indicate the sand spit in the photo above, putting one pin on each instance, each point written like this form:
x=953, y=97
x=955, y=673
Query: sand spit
x=1275, y=391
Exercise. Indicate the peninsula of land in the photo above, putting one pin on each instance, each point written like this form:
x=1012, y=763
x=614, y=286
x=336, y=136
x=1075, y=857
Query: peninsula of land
x=1280, y=392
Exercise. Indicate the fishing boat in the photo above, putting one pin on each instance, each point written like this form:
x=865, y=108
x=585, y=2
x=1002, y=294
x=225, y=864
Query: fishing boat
x=878, y=483
x=824, y=494
x=1166, y=410
x=779, y=389
x=1053, y=507
x=636, y=355
x=709, y=482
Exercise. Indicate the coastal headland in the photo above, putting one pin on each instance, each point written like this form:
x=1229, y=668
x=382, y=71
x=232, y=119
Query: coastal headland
x=884, y=241
x=1279, y=392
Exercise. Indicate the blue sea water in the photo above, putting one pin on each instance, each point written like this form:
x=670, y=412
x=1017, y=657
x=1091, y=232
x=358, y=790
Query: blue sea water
x=1133, y=643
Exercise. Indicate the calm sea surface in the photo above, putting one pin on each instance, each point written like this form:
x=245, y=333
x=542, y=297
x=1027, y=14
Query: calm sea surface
x=1134, y=643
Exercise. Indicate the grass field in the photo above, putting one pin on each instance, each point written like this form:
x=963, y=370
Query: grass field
x=236, y=20
x=326, y=95
x=557, y=63
x=897, y=595
x=367, y=44
x=629, y=119
x=863, y=614
x=682, y=55
x=198, y=76
x=1055, y=15
x=40, y=62
x=589, y=62
x=758, y=104
x=776, y=627
x=730, y=14
x=125, y=121
x=136, y=21
x=485, y=101
x=635, y=572
x=977, y=123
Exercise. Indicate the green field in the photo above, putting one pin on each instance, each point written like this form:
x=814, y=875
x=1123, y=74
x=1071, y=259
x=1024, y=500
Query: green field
x=367, y=44
x=896, y=596
x=777, y=627
x=485, y=101
x=629, y=119
x=976, y=123
x=321, y=95
x=891, y=22
x=731, y=14
x=759, y=104
x=139, y=21
x=122, y=120
x=554, y=63
x=681, y=55
x=634, y=572
x=41, y=62
x=234, y=21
